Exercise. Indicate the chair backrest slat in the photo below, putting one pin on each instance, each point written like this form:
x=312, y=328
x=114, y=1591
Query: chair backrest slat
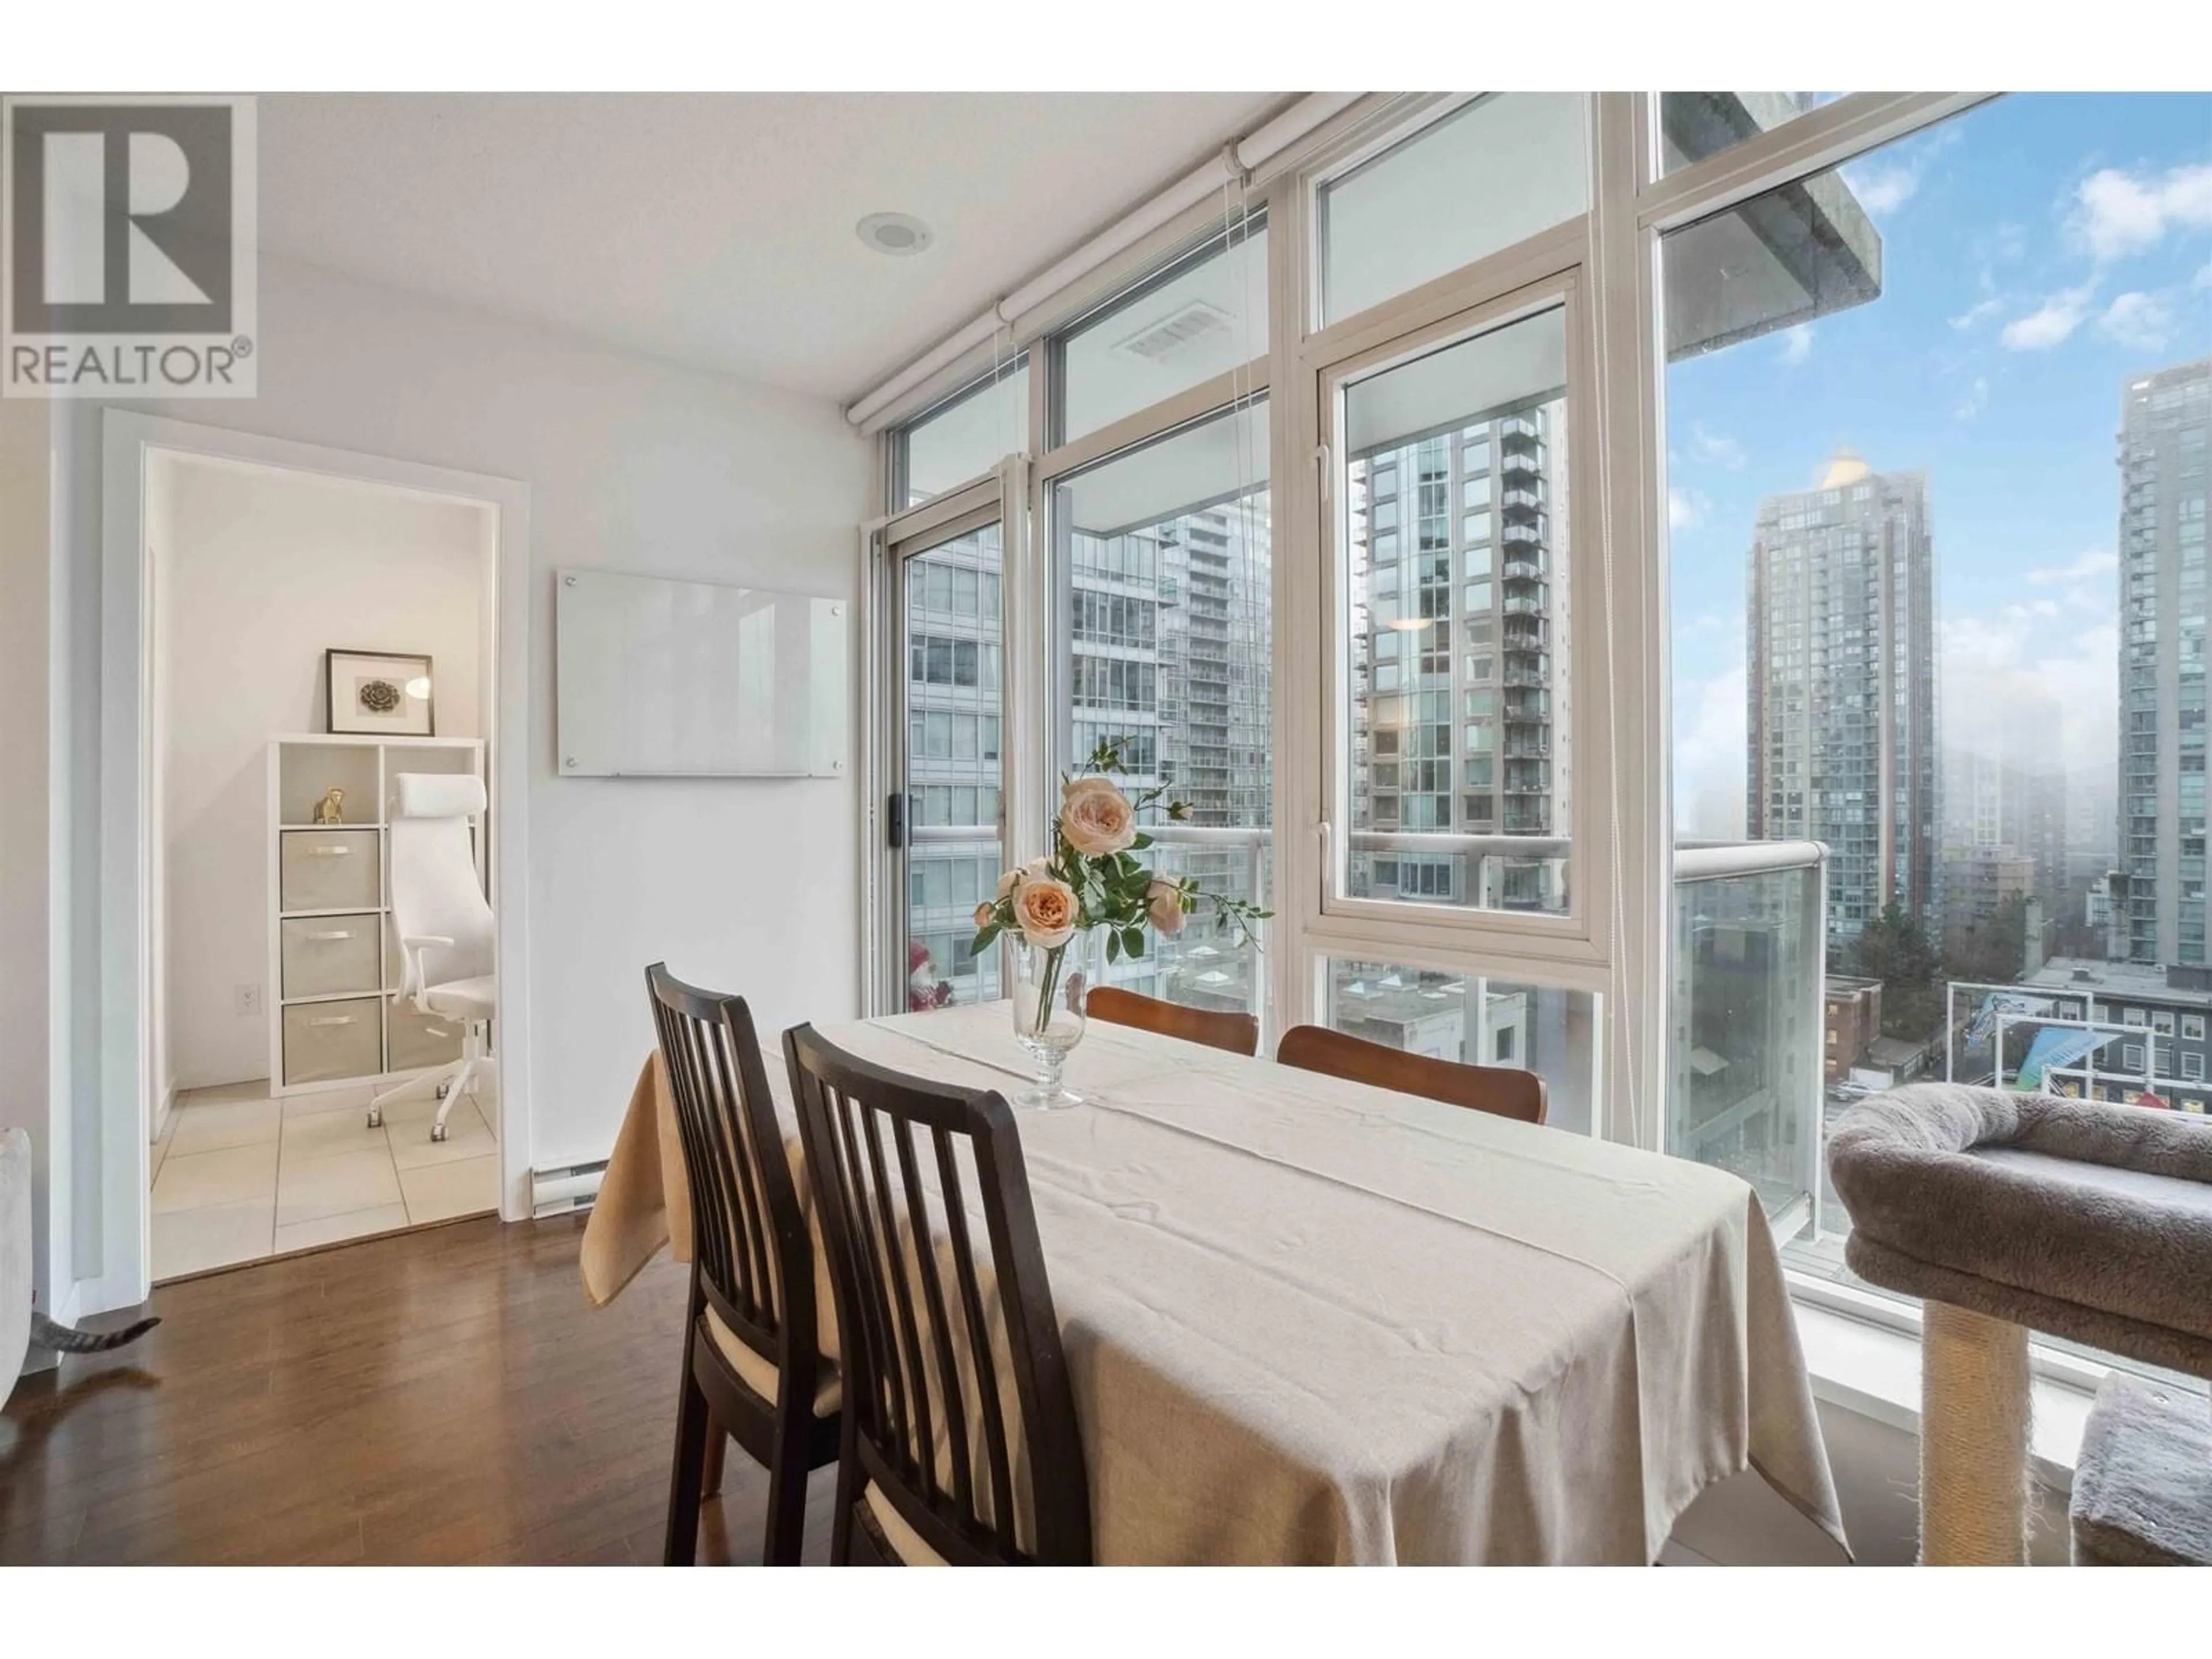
x=929, y=1273
x=873, y=1372
x=1501, y=1091
x=749, y=1236
x=905, y=1350
x=889, y=1238
x=978, y=1326
x=702, y=1165
x=744, y=1165
x=1237, y=1033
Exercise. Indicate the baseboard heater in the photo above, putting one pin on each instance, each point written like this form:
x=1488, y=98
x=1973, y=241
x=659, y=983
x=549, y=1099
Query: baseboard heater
x=558, y=1191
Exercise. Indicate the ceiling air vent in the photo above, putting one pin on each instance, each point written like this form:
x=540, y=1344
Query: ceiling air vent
x=1188, y=326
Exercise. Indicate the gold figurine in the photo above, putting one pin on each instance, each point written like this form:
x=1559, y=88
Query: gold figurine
x=331, y=809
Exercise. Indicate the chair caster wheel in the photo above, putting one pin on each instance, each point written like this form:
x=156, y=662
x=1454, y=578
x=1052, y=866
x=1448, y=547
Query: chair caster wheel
x=376, y=1117
x=437, y=1132
x=444, y=1089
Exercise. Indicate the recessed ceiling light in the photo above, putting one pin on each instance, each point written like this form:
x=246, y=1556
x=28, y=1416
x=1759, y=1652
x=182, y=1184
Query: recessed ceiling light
x=896, y=233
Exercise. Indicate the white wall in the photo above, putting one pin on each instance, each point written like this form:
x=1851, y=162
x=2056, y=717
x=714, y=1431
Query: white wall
x=632, y=465
x=258, y=571
x=33, y=1065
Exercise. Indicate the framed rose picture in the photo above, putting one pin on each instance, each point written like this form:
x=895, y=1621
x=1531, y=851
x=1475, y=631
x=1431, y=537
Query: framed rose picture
x=379, y=693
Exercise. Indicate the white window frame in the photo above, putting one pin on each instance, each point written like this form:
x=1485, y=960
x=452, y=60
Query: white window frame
x=1617, y=941
x=1579, y=936
x=886, y=544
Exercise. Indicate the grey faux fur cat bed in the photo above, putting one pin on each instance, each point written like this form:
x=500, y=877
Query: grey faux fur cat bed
x=2080, y=1219
x=2142, y=1486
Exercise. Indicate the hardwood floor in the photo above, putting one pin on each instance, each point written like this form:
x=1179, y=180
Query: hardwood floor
x=438, y=1396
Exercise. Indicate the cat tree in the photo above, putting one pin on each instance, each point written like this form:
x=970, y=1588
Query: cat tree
x=2007, y=1213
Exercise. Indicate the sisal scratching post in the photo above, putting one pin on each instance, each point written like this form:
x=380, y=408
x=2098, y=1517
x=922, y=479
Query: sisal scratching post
x=1973, y=1440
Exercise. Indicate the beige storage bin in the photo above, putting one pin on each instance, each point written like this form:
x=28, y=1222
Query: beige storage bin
x=325, y=1042
x=324, y=955
x=415, y=1039
x=329, y=869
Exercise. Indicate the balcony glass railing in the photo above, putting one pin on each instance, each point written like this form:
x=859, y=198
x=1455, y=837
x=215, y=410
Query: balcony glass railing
x=1746, y=1087
x=1199, y=968
x=1746, y=1090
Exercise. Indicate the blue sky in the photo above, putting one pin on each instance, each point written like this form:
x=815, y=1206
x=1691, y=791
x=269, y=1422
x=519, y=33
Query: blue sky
x=2037, y=252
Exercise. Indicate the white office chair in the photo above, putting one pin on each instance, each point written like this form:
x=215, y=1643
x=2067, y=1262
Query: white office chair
x=445, y=928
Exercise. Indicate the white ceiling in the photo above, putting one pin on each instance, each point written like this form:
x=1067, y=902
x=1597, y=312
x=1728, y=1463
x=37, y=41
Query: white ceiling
x=717, y=229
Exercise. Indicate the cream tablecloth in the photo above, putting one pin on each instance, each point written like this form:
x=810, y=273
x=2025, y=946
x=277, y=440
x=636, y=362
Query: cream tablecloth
x=1309, y=1320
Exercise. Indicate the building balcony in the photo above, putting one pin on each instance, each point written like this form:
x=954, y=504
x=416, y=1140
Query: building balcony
x=1522, y=501
x=1523, y=570
x=1516, y=605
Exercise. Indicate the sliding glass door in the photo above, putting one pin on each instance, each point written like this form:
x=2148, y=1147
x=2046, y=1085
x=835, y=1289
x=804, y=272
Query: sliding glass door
x=941, y=819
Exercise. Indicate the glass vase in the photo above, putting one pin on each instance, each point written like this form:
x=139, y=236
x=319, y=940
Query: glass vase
x=1051, y=989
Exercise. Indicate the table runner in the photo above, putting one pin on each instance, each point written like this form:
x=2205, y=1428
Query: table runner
x=1311, y=1320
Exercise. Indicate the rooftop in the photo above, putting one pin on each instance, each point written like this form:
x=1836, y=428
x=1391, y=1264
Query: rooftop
x=2112, y=979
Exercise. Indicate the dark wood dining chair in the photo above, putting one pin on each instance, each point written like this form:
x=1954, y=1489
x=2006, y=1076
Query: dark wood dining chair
x=1238, y=1033
x=954, y=1374
x=751, y=1369
x=1502, y=1091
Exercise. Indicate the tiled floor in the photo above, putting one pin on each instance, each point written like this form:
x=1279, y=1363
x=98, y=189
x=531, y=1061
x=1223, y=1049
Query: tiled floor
x=237, y=1175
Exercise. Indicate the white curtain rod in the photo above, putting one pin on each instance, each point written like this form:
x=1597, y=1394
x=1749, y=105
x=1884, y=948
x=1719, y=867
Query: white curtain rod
x=1242, y=157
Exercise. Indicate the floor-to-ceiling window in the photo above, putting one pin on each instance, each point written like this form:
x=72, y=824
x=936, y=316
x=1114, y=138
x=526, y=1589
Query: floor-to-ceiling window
x=1166, y=646
x=1159, y=572
x=1926, y=616
x=1713, y=651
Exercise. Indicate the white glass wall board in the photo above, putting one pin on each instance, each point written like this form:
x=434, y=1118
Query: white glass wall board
x=694, y=679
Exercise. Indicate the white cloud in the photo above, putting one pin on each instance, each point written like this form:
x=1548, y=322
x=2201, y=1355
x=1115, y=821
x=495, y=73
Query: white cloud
x=1882, y=190
x=1797, y=344
x=1718, y=448
x=2118, y=214
x=2095, y=562
x=1686, y=507
x=1711, y=725
x=1976, y=400
x=1980, y=312
x=2141, y=322
x=1885, y=185
x=2049, y=325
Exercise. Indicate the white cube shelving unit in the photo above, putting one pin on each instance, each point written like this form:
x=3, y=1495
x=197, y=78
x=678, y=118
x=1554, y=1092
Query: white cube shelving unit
x=335, y=1018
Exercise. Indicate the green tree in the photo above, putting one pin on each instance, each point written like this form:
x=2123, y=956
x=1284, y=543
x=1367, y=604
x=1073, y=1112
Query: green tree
x=1894, y=948
x=1992, y=952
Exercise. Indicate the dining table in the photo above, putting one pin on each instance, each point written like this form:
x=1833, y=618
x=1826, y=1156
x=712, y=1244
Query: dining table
x=1310, y=1320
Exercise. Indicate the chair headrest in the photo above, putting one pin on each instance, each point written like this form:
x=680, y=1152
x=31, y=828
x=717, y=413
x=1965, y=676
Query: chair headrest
x=440, y=795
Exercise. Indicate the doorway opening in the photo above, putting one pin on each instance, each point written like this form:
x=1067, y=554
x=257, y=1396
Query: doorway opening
x=322, y=730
